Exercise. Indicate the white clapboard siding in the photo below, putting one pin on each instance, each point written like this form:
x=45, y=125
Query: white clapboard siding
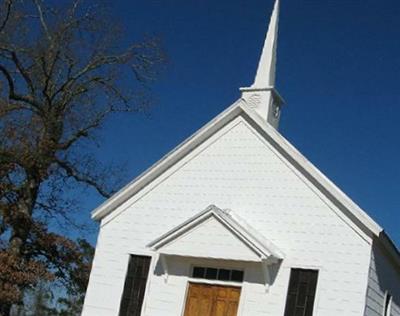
x=235, y=169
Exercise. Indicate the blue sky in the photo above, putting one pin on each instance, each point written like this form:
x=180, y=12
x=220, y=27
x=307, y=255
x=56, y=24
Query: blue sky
x=338, y=70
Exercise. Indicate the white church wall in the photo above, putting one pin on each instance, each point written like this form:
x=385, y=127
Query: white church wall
x=384, y=278
x=239, y=170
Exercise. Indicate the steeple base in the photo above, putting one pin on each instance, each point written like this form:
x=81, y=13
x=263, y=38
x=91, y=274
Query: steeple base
x=266, y=102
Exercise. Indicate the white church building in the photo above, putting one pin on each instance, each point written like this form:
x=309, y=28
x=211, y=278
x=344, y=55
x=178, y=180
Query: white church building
x=236, y=221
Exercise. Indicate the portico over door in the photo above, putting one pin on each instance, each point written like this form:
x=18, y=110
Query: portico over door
x=216, y=234
x=212, y=300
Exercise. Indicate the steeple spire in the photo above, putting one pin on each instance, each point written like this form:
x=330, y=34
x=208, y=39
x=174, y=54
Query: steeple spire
x=265, y=76
x=262, y=95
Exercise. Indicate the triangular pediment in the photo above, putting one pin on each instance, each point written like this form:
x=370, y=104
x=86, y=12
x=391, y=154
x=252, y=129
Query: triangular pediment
x=216, y=234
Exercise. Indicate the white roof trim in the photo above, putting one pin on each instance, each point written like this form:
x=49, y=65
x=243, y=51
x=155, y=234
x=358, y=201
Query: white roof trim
x=327, y=187
x=263, y=248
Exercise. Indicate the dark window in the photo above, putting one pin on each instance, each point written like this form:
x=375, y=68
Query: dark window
x=388, y=301
x=135, y=286
x=217, y=274
x=301, y=292
x=199, y=272
x=211, y=273
x=224, y=275
x=237, y=276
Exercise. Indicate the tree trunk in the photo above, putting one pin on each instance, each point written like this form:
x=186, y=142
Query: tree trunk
x=21, y=221
x=20, y=230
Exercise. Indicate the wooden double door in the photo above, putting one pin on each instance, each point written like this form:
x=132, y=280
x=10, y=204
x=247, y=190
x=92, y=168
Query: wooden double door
x=212, y=300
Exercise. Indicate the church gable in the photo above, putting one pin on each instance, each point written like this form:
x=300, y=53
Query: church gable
x=235, y=169
x=241, y=115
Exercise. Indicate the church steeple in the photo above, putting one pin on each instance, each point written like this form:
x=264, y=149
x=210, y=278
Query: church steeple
x=262, y=95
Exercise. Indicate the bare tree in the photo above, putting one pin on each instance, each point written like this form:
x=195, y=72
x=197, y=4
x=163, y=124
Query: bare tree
x=63, y=72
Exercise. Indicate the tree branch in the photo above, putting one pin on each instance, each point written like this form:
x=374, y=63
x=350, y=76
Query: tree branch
x=10, y=107
x=84, y=132
x=42, y=20
x=23, y=72
x=71, y=172
x=48, y=76
x=12, y=94
x=91, y=66
x=8, y=11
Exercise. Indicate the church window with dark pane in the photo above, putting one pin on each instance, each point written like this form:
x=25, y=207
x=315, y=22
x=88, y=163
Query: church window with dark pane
x=135, y=286
x=301, y=292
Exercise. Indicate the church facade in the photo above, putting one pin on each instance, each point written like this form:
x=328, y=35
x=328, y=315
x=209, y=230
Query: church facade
x=236, y=221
